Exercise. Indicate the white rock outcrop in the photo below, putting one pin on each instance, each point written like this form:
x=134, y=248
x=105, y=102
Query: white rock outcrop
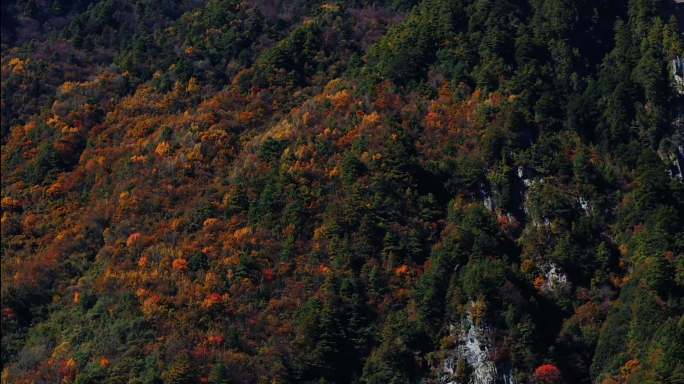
x=677, y=163
x=473, y=348
x=486, y=196
x=584, y=204
x=678, y=74
x=554, y=279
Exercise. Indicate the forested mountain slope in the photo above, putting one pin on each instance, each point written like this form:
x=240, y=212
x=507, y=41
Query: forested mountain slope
x=435, y=191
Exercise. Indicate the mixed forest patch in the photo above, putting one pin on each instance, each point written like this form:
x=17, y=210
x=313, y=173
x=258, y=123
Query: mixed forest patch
x=390, y=191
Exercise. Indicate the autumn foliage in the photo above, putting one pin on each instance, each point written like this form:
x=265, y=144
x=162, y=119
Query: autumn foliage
x=548, y=374
x=300, y=191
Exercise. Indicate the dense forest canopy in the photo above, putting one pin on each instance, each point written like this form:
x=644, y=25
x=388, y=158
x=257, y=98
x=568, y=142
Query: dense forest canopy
x=367, y=192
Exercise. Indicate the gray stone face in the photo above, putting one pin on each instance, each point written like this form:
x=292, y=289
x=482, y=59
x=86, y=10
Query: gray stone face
x=554, y=279
x=679, y=159
x=676, y=161
x=475, y=351
x=486, y=195
x=473, y=348
x=678, y=74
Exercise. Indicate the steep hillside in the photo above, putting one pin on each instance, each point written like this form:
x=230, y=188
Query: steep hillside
x=475, y=191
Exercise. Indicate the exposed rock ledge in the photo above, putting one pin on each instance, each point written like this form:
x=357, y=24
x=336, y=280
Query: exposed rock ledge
x=473, y=348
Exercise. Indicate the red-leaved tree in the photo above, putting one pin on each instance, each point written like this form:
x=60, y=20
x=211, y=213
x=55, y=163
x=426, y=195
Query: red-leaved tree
x=548, y=374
